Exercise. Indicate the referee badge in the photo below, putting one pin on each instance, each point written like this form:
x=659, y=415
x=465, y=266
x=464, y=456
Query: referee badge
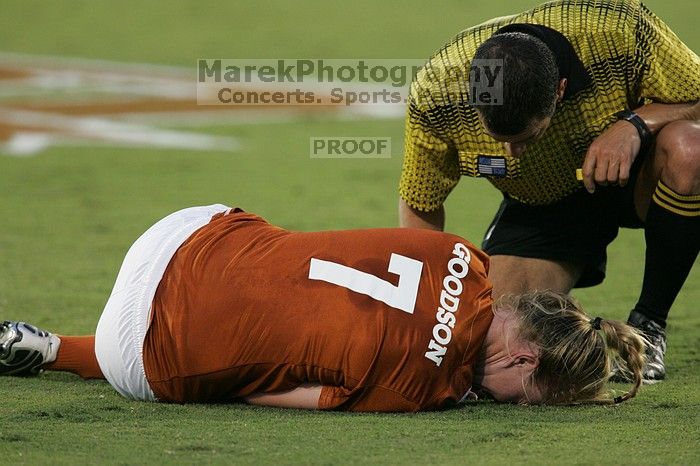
x=492, y=166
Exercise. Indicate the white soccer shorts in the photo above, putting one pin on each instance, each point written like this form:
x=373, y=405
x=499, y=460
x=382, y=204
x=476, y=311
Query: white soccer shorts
x=122, y=327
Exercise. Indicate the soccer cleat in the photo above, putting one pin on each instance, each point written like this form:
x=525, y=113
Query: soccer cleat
x=24, y=349
x=655, y=335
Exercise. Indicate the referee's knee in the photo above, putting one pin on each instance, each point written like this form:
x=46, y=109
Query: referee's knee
x=679, y=142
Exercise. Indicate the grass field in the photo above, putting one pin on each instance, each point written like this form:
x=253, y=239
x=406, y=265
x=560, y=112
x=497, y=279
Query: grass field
x=69, y=214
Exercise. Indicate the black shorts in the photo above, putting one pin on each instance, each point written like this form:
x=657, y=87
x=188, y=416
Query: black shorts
x=576, y=229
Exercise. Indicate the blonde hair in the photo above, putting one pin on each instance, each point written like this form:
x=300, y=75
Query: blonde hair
x=577, y=354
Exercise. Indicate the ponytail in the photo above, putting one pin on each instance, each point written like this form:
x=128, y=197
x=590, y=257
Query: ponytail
x=629, y=347
x=577, y=354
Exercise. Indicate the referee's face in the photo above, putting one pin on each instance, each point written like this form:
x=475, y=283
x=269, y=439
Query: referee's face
x=515, y=145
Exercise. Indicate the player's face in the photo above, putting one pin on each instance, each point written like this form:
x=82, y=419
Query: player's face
x=515, y=145
x=513, y=386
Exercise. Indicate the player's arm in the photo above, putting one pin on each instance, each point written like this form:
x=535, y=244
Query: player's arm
x=430, y=169
x=669, y=79
x=303, y=397
x=372, y=399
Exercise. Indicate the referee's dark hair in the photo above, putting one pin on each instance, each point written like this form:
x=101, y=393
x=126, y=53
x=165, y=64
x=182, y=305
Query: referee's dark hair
x=530, y=82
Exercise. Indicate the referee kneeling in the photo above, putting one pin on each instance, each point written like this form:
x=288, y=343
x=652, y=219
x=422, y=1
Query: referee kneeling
x=604, y=86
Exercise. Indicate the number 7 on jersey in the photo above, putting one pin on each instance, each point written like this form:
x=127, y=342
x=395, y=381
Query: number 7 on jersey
x=402, y=297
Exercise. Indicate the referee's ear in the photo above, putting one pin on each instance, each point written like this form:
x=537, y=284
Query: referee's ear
x=562, y=88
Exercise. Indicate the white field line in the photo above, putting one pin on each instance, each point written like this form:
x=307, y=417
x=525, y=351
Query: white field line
x=69, y=128
x=77, y=63
x=250, y=117
x=73, y=81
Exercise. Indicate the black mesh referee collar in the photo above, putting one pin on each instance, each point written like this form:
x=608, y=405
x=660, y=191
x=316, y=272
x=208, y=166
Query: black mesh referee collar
x=569, y=64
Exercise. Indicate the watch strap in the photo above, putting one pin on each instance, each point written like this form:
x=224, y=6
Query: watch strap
x=645, y=134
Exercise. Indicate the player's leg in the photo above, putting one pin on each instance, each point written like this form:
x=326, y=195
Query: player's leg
x=667, y=199
x=115, y=352
x=124, y=323
x=28, y=350
x=76, y=354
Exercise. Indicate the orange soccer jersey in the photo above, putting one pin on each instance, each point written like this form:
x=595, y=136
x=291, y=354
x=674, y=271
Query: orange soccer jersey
x=384, y=319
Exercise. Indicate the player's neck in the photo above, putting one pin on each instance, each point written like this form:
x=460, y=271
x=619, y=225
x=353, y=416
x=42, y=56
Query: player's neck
x=496, y=344
x=499, y=369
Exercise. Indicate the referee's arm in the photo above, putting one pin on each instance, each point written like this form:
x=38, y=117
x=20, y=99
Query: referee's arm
x=670, y=70
x=414, y=218
x=430, y=172
x=670, y=75
x=666, y=77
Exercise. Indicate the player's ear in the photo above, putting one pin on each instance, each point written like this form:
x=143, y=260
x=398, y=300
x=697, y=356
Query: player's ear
x=526, y=360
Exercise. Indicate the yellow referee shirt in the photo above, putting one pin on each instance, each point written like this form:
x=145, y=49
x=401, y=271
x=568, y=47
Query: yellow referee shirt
x=623, y=56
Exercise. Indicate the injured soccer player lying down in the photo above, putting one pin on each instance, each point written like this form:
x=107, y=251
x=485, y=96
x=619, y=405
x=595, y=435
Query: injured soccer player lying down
x=213, y=304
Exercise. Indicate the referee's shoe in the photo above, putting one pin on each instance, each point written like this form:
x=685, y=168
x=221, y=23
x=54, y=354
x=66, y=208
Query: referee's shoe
x=655, y=339
x=654, y=370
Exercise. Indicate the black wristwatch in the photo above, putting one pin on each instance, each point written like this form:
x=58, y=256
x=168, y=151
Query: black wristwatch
x=644, y=132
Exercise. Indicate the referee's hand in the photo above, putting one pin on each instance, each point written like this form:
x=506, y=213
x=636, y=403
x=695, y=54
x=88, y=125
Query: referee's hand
x=611, y=155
